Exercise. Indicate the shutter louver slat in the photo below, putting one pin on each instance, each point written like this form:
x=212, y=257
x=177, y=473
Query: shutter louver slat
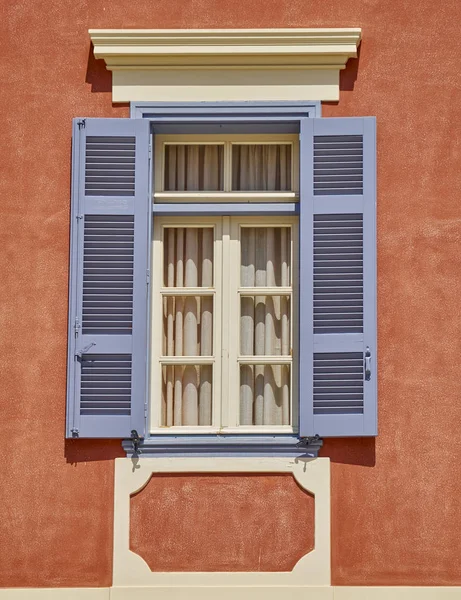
x=338, y=277
x=108, y=298
x=338, y=383
x=110, y=166
x=102, y=278
x=338, y=164
x=342, y=273
x=106, y=385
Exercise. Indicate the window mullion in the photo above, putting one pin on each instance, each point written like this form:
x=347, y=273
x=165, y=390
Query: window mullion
x=233, y=280
x=227, y=166
x=225, y=322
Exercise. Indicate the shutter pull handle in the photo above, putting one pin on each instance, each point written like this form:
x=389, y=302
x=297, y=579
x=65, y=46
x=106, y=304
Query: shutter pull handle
x=367, y=364
x=84, y=350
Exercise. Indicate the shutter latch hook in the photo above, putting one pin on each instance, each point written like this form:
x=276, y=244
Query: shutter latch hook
x=84, y=350
x=367, y=364
x=305, y=442
x=136, y=440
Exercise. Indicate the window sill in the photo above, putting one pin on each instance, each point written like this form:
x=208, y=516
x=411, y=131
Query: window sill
x=224, y=445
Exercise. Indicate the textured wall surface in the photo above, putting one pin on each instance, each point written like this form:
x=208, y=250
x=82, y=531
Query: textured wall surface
x=395, y=504
x=222, y=523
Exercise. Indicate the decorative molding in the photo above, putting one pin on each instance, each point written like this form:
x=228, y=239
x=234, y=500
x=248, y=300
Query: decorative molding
x=229, y=593
x=57, y=593
x=131, y=475
x=131, y=48
x=225, y=64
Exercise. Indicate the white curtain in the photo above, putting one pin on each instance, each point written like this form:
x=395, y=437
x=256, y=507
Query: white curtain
x=265, y=326
x=261, y=167
x=188, y=326
x=190, y=168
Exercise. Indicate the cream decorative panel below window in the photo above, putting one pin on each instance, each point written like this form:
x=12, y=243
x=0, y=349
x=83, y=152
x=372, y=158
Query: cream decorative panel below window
x=222, y=325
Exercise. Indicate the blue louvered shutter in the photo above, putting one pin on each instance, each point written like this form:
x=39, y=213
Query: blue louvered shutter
x=110, y=228
x=338, y=392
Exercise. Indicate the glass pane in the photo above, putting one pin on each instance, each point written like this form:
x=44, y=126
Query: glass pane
x=265, y=326
x=265, y=256
x=261, y=167
x=194, y=167
x=187, y=394
x=265, y=395
x=188, y=257
x=187, y=326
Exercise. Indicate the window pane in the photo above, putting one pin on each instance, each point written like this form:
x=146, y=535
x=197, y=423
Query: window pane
x=187, y=326
x=264, y=395
x=186, y=395
x=261, y=167
x=194, y=167
x=265, y=256
x=188, y=257
x=265, y=326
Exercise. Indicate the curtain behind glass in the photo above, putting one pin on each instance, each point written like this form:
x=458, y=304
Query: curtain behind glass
x=187, y=326
x=265, y=326
x=194, y=167
x=261, y=167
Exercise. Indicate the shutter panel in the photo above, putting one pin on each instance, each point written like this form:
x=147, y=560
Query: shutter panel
x=338, y=391
x=108, y=300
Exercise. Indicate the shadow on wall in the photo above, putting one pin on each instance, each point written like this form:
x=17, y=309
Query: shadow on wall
x=347, y=77
x=76, y=451
x=351, y=451
x=99, y=78
x=97, y=75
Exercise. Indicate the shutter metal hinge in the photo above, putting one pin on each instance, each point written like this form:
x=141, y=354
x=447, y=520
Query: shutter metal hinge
x=75, y=432
x=84, y=350
x=81, y=124
x=79, y=217
x=305, y=442
x=135, y=440
x=150, y=151
x=147, y=276
x=76, y=326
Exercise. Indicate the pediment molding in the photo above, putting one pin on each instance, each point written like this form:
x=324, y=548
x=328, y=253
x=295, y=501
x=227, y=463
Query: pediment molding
x=244, y=63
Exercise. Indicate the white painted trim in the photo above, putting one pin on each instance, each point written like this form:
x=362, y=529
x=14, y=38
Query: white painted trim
x=227, y=194
x=157, y=357
x=229, y=593
x=226, y=360
x=130, y=570
x=55, y=593
x=225, y=64
x=154, y=45
x=396, y=593
x=216, y=197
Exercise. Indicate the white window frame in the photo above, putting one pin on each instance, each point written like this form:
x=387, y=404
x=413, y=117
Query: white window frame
x=227, y=195
x=226, y=312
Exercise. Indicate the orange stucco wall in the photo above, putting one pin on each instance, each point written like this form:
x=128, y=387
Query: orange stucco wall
x=222, y=522
x=395, y=502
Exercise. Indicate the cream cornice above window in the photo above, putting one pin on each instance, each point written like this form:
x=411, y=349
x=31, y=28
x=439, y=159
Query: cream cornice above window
x=225, y=64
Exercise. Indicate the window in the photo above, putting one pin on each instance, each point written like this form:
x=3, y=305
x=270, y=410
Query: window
x=224, y=360
x=224, y=297
x=236, y=168
x=207, y=373
x=256, y=284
